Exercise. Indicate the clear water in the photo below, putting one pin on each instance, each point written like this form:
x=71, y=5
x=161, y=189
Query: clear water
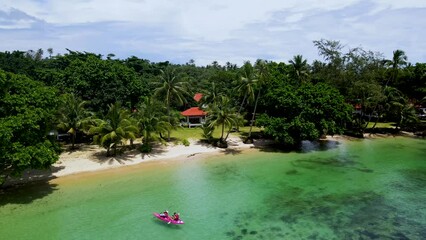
x=367, y=189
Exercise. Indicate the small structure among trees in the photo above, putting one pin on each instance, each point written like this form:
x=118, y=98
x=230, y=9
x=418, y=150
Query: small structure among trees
x=195, y=116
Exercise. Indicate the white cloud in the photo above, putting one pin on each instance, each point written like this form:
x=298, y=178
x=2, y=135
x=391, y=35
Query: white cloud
x=18, y=24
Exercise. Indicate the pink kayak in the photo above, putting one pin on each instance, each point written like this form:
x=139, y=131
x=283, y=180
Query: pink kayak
x=167, y=219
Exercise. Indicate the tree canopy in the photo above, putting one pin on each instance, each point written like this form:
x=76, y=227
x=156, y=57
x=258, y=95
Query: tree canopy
x=27, y=109
x=294, y=101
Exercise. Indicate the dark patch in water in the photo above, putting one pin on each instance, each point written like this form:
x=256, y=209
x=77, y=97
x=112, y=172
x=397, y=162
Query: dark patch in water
x=244, y=231
x=416, y=178
x=230, y=233
x=341, y=162
x=288, y=219
x=275, y=229
x=292, y=172
x=368, y=234
x=362, y=215
x=253, y=232
x=400, y=236
x=320, y=210
x=313, y=236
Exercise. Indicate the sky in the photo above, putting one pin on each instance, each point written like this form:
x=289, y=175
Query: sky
x=220, y=30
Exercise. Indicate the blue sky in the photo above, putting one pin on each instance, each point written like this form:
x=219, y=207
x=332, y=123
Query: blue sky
x=207, y=31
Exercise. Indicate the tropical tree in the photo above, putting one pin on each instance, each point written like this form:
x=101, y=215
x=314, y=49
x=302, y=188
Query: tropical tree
x=246, y=84
x=207, y=132
x=222, y=113
x=172, y=89
x=262, y=77
x=293, y=114
x=210, y=95
x=299, y=68
x=27, y=112
x=151, y=118
x=72, y=115
x=115, y=129
x=101, y=82
x=399, y=59
x=398, y=108
x=50, y=51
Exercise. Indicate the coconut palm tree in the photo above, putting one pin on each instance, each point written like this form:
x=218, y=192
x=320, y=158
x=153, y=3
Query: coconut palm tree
x=210, y=95
x=246, y=84
x=299, y=68
x=151, y=118
x=398, y=106
x=115, y=129
x=262, y=73
x=399, y=59
x=172, y=89
x=222, y=113
x=72, y=115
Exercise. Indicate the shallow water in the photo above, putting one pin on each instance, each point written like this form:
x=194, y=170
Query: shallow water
x=366, y=189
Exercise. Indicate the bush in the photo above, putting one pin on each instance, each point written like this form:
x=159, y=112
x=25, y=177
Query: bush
x=185, y=142
x=145, y=148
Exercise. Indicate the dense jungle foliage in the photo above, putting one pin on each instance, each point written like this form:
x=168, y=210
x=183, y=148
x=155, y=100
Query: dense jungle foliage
x=113, y=101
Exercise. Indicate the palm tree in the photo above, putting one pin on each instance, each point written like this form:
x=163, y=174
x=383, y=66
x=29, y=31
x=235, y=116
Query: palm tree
x=299, y=67
x=262, y=76
x=151, y=118
x=246, y=84
x=114, y=129
x=399, y=59
x=223, y=114
x=173, y=89
x=72, y=115
x=50, y=51
x=399, y=107
x=210, y=95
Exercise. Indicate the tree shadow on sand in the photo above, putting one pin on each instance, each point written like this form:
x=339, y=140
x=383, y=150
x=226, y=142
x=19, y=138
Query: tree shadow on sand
x=102, y=158
x=232, y=151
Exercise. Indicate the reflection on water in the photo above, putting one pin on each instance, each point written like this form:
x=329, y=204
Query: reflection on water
x=372, y=189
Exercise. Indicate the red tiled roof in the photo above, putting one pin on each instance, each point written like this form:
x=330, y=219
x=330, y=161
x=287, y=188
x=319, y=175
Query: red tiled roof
x=194, y=111
x=198, y=96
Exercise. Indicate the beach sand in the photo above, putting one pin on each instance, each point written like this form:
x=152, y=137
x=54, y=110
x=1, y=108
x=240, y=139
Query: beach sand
x=93, y=158
x=90, y=158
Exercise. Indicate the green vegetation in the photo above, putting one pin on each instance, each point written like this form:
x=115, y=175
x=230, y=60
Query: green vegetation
x=185, y=142
x=389, y=125
x=27, y=108
x=115, y=101
x=115, y=129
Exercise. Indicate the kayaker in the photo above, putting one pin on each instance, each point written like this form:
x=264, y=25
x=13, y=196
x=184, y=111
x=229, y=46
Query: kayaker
x=176, y=216
x=164, y=214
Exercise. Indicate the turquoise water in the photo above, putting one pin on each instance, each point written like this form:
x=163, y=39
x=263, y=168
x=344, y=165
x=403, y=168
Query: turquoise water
x=366, y=189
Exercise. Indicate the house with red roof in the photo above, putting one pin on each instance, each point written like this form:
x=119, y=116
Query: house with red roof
x=195, y=116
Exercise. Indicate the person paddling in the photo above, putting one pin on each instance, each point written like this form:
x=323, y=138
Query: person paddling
x=165, y=214
x=176, y=216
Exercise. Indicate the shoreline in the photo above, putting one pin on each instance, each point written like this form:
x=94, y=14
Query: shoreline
x=92, y=158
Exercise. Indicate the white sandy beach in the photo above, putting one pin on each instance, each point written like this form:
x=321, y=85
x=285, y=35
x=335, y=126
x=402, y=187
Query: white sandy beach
x=93, y=158
x=89, y=158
